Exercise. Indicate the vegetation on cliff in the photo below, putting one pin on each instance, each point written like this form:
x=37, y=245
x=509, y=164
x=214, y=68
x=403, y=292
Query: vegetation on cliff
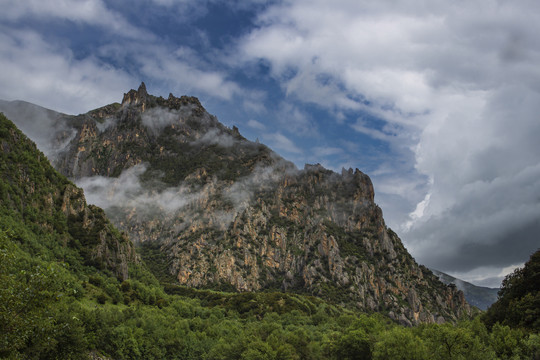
x=49, y=213
x=228, y=213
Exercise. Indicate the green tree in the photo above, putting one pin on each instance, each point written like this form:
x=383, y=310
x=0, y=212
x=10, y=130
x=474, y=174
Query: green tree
x=519, y=298
x=28, y=288
x=354, y=344
x=258, y=350
x=506, y=342
x=400, y=344
x=447, y=342
x=532, y=345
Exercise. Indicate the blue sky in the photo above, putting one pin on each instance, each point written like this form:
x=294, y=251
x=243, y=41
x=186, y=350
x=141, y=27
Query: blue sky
x=436, y=101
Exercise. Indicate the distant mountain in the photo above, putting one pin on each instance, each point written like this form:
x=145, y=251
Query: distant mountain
x=222, y=212
x=479, y=296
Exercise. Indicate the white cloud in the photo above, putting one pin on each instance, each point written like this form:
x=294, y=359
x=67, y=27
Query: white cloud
x=458, y=95
x=217, y=137
x=254, y=124
x=47, y=72
x=322, y=151
x=253, y=101
x=91, y=12
x=385, y=134
x=127, y=192
x=295, y=120
x=162, y=66
x=36, y=71
x=281, y=142
x=201, y=5
x=176, y=69
x=487, y=276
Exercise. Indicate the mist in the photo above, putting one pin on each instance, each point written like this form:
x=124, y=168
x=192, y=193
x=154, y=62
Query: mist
x=128, y=192
x=46, y=128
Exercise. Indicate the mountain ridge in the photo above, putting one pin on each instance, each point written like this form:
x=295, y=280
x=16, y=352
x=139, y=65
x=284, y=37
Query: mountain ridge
x=227, y=211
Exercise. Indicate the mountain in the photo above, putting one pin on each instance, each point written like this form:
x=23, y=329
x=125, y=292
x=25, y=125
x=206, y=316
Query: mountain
x=479, y=296
x=221, y=212
x=65, y=293
x=518, y=304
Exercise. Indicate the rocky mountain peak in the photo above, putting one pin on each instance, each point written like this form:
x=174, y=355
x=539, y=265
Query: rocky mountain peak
x=228, y=213
x=138, y=97
x=141, y=100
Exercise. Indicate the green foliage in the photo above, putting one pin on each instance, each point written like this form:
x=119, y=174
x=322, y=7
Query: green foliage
x=47, y=214
x=355, y=344
x=185, y=157
x=506, y=342
x=203, y=324
x=256, y=304
x=29, y=289
x=519, y=298
x=454, y=342
x=400, y=344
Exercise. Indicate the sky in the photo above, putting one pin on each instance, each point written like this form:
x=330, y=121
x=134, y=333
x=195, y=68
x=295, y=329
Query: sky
x=437, y=101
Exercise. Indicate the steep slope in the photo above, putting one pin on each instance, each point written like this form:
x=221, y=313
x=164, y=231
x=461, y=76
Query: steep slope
x=44, y=209
x=519, y=298
x=228, y=213
x=479, y=296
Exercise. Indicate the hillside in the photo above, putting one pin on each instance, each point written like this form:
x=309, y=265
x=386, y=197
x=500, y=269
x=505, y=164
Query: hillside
x=54, y=248
x=38, y=203
x=227, y=213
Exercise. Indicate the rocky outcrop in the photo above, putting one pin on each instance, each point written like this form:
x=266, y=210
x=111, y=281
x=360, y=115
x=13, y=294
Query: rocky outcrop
x=133, y=98
x=230, y=212
x=102, y=244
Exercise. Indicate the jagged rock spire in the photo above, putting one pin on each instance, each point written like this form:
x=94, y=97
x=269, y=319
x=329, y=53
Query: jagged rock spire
x=136, y=97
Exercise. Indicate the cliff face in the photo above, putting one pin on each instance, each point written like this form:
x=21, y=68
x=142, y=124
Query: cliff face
x=318, y=232
x=34, y=194
x=230, y=212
